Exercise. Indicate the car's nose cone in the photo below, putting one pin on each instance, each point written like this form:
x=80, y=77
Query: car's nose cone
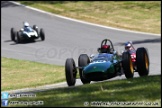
x=98, y=71
x=97, y=67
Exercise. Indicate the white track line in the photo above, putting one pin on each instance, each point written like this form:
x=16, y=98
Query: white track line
x=83, y=21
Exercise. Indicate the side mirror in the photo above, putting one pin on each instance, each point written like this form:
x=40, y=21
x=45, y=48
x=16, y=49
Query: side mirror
x=122, y=51
x=21, y=29
x=36, y=27
x=114, y=52
x=91, y=56
x=99, y=50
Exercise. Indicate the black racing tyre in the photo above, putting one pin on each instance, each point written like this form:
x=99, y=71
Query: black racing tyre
x=70, y=72
x=18, y=37
x=35, y=28
x=13, y=34
x=142, y=61
x=42, y=34
x=83, y=61
x=127, y=65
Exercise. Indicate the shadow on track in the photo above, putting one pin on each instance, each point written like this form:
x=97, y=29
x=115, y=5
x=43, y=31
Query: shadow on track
x=8, y=41
x=24, y=42
x=156, y=40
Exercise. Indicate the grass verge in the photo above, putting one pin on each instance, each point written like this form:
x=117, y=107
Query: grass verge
x=16, y=74
x=141, y=91
x=142, y=16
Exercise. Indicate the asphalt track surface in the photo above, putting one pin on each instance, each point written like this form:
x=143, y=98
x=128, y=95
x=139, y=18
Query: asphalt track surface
x=67, y=38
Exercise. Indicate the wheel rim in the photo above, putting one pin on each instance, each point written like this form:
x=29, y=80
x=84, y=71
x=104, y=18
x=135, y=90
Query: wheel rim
x=146, y=61
x=131, y=66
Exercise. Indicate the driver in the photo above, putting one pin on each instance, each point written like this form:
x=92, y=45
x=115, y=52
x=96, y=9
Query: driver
x=105, y=49
x=26, y=26
x=128, y=46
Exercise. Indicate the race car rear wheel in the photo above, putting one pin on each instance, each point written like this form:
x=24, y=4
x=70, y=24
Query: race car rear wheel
x=42, y=35
x=70, y=72
x=142, y=61
x=35, y=28
x=83, y=61
x=13, y=34
x=127, y=65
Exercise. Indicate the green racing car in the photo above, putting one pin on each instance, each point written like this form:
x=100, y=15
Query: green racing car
x=105, y=65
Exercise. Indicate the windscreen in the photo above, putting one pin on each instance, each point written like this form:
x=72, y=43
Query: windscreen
x=103, y=57
x=29, y=29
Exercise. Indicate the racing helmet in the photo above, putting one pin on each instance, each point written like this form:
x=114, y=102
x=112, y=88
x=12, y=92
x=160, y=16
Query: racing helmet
x=105, y=49
x=127, y=46
x=26, y=24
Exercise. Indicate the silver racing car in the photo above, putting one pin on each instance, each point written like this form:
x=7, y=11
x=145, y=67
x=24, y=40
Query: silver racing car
x=27, y=33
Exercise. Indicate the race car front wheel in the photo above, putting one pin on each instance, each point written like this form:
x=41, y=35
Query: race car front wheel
x=142, y=61
x=70, y=72
x=42, y=35
x=127, y=65
x=83, y=61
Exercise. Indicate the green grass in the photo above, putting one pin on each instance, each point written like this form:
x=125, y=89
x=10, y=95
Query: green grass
x=143, y=89
x=16, y=74
x=142, y=16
